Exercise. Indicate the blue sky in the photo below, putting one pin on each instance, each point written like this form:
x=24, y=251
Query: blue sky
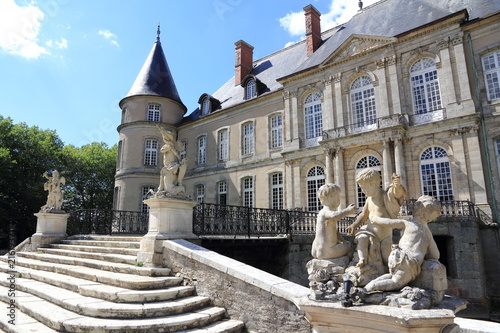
x=65, y=64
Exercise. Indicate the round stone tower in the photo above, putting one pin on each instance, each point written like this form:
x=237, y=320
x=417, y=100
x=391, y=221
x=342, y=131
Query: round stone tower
x=153, y=100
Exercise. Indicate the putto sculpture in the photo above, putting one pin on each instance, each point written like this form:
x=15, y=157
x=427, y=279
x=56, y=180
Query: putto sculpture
x=55, y=196
x=173, y=170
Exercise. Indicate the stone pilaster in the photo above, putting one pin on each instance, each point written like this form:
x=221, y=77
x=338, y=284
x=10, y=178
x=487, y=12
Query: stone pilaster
x=387, y=163
x=400, y=161
x=339, y=110
x=339, y=176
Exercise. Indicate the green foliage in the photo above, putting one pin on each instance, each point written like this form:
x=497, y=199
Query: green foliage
x=139, y=264
x=90, y=176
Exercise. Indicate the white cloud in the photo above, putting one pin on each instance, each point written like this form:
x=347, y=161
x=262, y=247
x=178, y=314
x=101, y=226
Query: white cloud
x=63, y=44
x=111, y=37
x=340, y=12
x=19, y=29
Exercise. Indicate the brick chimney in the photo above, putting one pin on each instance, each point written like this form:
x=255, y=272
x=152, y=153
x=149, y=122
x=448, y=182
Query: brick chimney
x=244, y=61
x=313, y=28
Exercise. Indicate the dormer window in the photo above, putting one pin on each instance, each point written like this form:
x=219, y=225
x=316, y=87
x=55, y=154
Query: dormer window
x=154, y=112
x=208, y=104
x=251, y=92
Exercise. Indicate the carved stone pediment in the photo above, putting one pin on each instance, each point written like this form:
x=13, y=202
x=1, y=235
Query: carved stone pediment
x=357, y=44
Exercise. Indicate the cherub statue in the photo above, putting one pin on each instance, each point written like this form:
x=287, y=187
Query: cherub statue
x=174, y=169
x=329, y=243
x=55, y=196
x=415, y=245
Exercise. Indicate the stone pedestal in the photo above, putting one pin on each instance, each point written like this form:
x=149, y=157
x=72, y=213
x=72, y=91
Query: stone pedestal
x=50, y=228
x=329, y=317
x=169, y=218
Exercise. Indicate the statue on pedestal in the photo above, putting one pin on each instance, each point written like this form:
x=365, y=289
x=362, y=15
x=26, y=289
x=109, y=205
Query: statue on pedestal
x=55, y=196
x=174, y=168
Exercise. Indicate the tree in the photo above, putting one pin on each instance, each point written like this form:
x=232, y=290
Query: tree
x=90, y=176
x=25, y=154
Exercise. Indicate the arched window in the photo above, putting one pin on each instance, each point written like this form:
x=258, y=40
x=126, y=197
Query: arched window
x=200, y=193
x=313, y=118
x=276, y=185
x=315, y=179
x=491, y=68
x=435, y=174
x=425, y=86
x=151, y=152
x=251, y=92
x=363, y=104
x=364, y=163
x=205, y=106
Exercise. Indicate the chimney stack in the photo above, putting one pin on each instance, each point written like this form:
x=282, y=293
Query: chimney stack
x=244, y=61
x=313, y=28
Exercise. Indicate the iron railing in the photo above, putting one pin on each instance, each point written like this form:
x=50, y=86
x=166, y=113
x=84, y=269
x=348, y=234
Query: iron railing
x=103, y=221
x=382, y=122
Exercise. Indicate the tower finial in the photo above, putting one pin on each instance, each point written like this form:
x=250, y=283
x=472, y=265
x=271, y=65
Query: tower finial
x=158, y=33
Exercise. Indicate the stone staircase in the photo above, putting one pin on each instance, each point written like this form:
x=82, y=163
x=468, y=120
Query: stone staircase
x=93, y=284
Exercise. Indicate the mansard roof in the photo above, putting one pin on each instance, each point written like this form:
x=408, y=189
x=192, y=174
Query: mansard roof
x=383, y=21
x=155, y=78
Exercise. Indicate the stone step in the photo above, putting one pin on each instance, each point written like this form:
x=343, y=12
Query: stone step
x=94, y=263
x=99, y=249
x=89, y=306
x=111, y=257
x=91, y=274
x=63, y=320
x=103, y=243
x=223, y=326
x=128, y=238
x=22, y=323
x=100, y=290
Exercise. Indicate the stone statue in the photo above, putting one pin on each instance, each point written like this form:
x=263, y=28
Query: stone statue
x=415, y=245
x=174, y=169
x=329, y=243
x=55, y=196
x=374, y=241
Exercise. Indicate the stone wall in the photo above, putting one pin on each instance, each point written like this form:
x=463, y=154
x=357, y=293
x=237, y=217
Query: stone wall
x=490, y=239
x=263, y=301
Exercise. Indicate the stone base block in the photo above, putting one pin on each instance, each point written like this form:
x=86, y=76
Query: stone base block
x=432, y=276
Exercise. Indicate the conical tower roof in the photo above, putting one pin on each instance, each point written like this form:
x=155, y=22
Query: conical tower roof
x=155, y=78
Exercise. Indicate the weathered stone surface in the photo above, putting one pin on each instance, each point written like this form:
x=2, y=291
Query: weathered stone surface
x=433, y=277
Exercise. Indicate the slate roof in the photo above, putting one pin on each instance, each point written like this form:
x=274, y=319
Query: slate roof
x=387, y=18
x=155, y=78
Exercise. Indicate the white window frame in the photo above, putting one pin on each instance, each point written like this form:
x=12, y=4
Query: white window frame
x=200, y=193
x=277, y=190
x=313, y=119
x=363, y=107
x=251, y=91
x=154, y=112
x=425, y=88
x=276, y=128
x=315, y=179
x=491, y=69
x=151, y=152
x=247, y=191
x=205, y=106
x=366, y=162
x=223, y=144
x=201, y=156
x=222, y=192
x=144, y=192
x=183, y=151
x=434, y=167
x=248, y=138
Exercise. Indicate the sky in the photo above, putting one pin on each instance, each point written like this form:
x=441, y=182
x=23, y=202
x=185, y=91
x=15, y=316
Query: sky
x=66, y=64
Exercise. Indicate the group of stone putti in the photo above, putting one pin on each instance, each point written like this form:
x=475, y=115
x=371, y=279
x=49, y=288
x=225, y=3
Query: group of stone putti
x=374, y=270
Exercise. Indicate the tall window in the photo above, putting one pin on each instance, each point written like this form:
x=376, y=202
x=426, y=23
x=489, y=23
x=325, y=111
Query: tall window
x=200, y=193
x=491, y=68
x=277, y=190
x=276, y=131
x=313, y=116
x=151, y=152
x=222, y=193
x=154, y=112
x=144, y=195
x=202, y=150
x=120, y=155
x=248, y=192
x=315, y=179
x=248, y=139
x=365, y=162
x=435, y=174
x=425, y=86
x=251, y=92
x=223, y=144
x=183, y=151
x=363, y=104
x=205, y=106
